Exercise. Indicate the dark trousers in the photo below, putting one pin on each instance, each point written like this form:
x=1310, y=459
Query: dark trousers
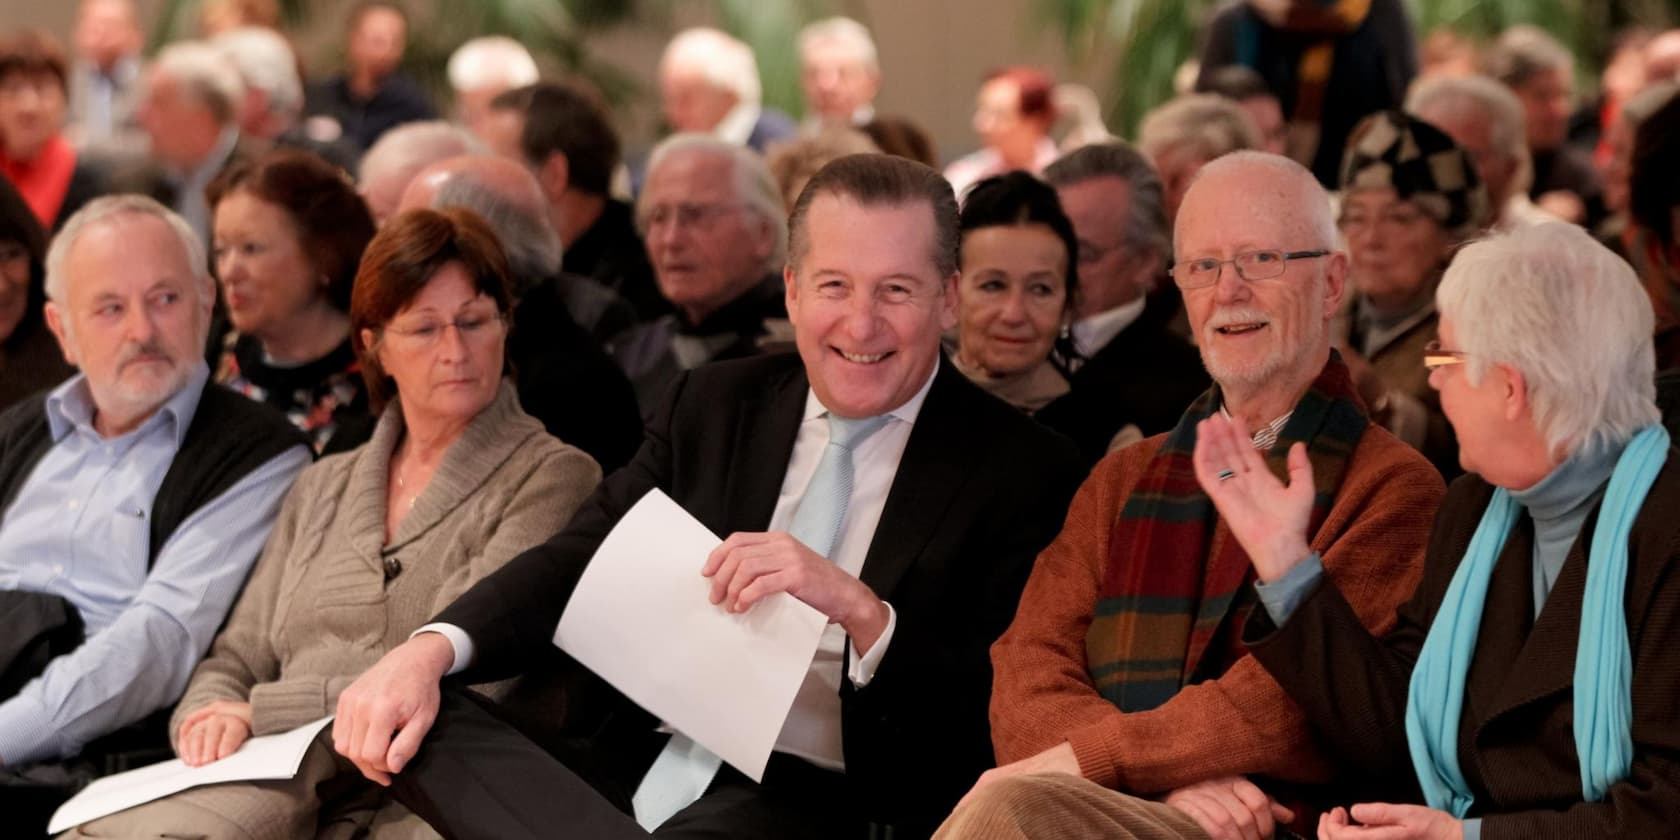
x=478, y=776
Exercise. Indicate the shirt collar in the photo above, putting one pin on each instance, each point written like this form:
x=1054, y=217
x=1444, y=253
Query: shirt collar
x=1095, y=332
x=737, y=125
x=70, y=407
x=906, y=412
x=208, y=168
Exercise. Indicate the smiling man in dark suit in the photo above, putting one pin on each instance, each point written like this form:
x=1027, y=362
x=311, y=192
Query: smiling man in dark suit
x=863, y=476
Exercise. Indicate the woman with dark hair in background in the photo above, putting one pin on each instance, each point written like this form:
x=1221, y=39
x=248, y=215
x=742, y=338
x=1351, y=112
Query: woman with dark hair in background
x=289, y=232
x=1015, y=300
x=30, y=359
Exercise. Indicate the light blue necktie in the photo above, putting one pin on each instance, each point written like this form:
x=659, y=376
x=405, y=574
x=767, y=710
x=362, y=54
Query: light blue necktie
x=684, y=769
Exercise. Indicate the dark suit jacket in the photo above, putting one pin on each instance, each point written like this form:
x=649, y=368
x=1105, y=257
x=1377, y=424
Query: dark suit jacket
x=568, y=382
x=1145, y=376
x=772, y=127
x=979, y=491
x=1516, y=744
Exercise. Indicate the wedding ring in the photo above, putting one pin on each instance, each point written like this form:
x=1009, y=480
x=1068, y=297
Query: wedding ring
x=1226, y=475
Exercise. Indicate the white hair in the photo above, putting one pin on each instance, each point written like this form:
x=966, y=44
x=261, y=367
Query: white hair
x=1553, y=303
x=1211, y=124
x=107, y=209
x=1479, y=97
x=491, y=60
x=1318, y=209
x=518, y=215
x=265, y=63
x=721, y=60
x=206, y=74
x=753, y=184
x=843, y=32
x=405, y=150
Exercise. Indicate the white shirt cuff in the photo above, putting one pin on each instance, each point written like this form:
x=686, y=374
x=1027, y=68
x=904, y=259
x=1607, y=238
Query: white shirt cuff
x=863, y=667
x=458, y=639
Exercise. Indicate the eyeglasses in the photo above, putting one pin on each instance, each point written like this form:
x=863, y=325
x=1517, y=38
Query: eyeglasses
x=684, y=214
x=426, y=334
x=1435, y=356
x=1251, y=266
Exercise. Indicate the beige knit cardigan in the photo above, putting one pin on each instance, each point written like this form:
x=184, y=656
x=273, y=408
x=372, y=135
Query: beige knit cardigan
x=319, y=610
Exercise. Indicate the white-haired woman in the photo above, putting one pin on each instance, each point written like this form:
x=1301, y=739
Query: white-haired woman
x=1531, y=687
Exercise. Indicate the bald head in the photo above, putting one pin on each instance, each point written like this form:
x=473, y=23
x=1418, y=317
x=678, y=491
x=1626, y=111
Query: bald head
x=1273, y=188
x=498, y=175
x=503, y=193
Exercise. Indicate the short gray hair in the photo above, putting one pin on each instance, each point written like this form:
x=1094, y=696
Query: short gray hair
x=108, y=209
x=750, y=176
x=1569, y=314
x=1146, y=224
x=205, y=73
x=1478, y=96
x=844, y=32
x=414, y=146
x=721, y=60
x=491, y=60
x=1209, y=123
x=1524, y=50
x=265, y=63
x=520, y=223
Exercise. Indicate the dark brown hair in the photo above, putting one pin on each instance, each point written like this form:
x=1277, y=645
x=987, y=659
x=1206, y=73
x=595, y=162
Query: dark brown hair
x=18, y=224
x=882, y=180
x=332, y=222
x=34, y=53
x=405, y=255
x=560, y=117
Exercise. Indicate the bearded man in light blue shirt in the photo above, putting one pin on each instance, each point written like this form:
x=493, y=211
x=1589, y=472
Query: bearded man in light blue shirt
x=135, y=497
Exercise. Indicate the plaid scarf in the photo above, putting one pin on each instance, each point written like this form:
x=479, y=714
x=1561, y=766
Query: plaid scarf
x=1322, y=23
x=1174, y=595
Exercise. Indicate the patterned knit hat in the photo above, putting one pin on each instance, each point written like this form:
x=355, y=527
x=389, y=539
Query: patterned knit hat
x=1423, y=166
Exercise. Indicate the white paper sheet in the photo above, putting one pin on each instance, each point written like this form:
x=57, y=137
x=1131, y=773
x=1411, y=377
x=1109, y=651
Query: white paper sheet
x=269, y=757
x=641, y=617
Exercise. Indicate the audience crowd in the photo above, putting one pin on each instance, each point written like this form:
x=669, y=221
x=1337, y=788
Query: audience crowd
x=1299, y=469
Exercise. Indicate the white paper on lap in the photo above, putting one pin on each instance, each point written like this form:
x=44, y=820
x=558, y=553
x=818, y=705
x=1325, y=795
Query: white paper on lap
x=269, y=757
x=641, y=617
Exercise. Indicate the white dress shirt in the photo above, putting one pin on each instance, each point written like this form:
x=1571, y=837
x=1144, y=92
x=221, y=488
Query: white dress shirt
x=1093, y=333
x=812, y=730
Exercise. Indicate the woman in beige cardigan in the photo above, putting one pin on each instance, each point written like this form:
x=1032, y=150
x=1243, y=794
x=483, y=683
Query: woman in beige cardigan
x=455, y=481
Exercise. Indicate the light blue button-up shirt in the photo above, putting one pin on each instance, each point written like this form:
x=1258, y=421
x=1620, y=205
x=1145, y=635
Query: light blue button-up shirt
x=80, y=528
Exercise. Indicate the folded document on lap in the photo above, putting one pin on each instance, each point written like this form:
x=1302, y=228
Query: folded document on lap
x=269, y=757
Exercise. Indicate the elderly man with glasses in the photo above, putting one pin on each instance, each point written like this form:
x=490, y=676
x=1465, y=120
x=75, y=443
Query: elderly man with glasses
x=716, y=232
x=1124, y=703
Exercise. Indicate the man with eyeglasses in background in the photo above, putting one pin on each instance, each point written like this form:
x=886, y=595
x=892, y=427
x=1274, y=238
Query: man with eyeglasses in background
x=716, y=232
x=1124, y=701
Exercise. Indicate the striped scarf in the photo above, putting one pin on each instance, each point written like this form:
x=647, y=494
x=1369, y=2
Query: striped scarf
x=1174, y=597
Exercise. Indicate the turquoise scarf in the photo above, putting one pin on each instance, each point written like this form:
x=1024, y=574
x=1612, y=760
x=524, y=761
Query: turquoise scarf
x=1603, y=660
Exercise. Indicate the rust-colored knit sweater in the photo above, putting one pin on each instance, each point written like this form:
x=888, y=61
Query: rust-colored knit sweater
x=1372, y=545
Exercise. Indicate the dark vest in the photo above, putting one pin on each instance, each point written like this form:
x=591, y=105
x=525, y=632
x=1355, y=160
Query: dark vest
x=228, y=437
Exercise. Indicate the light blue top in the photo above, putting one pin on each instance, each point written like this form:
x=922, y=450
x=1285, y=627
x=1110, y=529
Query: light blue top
x=79, y=528
x=1558, y=504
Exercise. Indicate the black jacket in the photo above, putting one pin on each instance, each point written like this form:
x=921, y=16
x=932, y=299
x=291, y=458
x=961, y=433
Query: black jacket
x=979, y=491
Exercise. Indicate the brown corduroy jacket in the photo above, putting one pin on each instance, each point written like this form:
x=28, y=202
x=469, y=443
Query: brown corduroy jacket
x=1516, y=743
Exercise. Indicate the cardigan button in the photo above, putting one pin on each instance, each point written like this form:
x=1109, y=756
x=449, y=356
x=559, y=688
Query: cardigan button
x=393, y=567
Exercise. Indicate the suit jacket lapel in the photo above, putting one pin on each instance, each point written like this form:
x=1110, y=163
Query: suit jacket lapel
x=767, y=426
x=1546, y=662
x=937, y=461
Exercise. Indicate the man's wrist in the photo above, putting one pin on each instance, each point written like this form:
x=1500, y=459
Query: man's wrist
x=867, y=621
x=1281, y=559
x=434, y=651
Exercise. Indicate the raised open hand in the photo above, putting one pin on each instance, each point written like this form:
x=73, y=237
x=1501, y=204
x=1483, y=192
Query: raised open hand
x=1269, y=518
